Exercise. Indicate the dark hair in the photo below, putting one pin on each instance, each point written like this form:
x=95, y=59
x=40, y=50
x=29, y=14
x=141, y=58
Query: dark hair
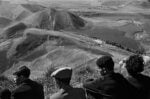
x=23, y=71
x=135, y=64
x=5, y=94
x=105, y=62
x=24, y=74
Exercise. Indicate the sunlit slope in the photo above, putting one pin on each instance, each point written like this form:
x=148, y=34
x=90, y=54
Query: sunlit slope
x=45, y=37
x=13, y=11
x=58, y=20
x=49, y=19
x=57, y=47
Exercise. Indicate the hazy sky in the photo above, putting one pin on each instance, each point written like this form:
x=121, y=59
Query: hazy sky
x=51, y=0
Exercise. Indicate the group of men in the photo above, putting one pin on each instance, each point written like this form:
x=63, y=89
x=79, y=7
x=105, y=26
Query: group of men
x=110, y=85
x=26, y=88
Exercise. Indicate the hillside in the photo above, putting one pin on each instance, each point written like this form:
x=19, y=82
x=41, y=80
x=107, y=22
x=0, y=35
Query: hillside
x=45, y=35
x=57, y=45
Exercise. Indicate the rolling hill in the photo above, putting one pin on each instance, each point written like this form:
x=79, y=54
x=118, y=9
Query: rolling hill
x=46, y=37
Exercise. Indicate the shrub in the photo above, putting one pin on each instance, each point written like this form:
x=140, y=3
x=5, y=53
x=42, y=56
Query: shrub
x=47, y=81
x=83, y=73
x=49, y=71
x=6, y=83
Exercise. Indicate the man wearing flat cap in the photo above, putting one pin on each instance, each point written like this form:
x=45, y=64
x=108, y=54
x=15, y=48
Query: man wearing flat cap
x=62, y=77
x=26, y=88
x=111, y=85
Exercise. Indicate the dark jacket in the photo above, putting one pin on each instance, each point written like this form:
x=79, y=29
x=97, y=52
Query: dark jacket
x=111, y=86
x=28, y=90
x=69, y=93
x=142, y=83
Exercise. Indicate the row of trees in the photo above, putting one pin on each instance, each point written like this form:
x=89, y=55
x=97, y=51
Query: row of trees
x=138, y=51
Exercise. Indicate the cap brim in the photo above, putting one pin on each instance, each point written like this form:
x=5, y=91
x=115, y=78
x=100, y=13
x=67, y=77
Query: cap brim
x=62, y=73
x=16, y=73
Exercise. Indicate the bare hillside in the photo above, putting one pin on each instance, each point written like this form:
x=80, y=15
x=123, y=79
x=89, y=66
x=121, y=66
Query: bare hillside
x=48, y=34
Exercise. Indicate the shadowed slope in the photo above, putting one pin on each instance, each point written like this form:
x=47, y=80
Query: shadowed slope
x=4, y=22
x=58, y=20
x=25, y=45
x=33, y=38
x=41, y=48
x=49, y=19
x=33, y=7
x=5, y=63
x=13, y=30
x=53, y=19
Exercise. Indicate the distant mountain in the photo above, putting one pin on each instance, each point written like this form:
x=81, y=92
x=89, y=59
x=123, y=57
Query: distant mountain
x=4, y=22
x=49, y=19
x=13, y=11
x=57, y=47
x=33, y=7
x=43, y=37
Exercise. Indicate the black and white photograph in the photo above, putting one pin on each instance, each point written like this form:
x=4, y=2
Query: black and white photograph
x=74, y=49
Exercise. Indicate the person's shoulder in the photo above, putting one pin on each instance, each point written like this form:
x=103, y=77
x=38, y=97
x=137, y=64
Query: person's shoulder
x=129, y=78
x=32, y=82
x=91, y=82
x=93, y=85
x=21, y=88
x=94, y=80
x=118, y=76
x=80, y=90
x=144, y=78
x=120, y=79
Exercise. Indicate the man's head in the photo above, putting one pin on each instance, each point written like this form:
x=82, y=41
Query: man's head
x=21, y=74
x=62, y=75
x=106, y=64
x=5, y=94
x=135, y=64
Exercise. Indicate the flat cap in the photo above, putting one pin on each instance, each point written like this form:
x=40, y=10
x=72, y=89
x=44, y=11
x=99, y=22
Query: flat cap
x=62, y=73
x=24, y=70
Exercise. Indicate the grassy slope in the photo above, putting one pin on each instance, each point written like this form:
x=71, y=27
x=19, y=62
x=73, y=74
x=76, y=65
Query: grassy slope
x=57, y=54
x=63, y=49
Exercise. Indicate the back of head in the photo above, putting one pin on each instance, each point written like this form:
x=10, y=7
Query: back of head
x=105, y=62
x=63, y=75
x=135, y=64
x=23, y=70
x=5, y=94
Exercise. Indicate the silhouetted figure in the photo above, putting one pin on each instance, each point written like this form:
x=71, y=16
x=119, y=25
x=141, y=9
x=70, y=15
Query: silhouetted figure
x=111, y=85
x=134, y=66
x=66, y=91
x=5, y=94
x=26, y=88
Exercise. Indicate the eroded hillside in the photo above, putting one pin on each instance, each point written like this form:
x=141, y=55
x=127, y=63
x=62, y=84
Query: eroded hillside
x=45, y=37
